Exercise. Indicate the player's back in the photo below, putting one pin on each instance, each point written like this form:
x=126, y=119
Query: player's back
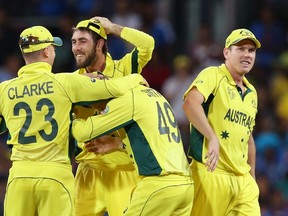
x=154, y=136
x=37, y=113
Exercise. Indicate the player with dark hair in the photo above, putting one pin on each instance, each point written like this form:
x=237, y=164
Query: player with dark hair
x=155, y=146
x=36, y=107
x=104, y=181
x=221, y=105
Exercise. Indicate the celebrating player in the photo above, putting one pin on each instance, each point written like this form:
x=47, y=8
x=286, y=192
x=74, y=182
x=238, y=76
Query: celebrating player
x=154, y=144
x=104, y=181
x=36, y=107
x=221, y=106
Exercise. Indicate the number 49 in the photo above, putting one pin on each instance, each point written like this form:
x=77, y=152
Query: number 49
x=166, y=120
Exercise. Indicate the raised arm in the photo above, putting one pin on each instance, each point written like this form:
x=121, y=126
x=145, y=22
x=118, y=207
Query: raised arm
x=143, y=43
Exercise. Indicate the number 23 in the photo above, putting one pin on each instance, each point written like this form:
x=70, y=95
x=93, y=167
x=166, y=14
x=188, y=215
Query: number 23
x=23, y=138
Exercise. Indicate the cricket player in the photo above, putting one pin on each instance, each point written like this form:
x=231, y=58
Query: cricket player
x=154, y=144
x=104, y=181
x=36, y=107
x=221, y=105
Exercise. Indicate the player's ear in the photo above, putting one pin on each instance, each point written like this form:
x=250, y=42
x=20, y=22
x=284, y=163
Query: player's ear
x=225, y=52
x=45, y=52
x=100, y=43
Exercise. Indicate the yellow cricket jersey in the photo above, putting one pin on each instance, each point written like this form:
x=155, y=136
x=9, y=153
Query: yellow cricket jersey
x=231, y=115
x=37, y=107
x=153, y=138
x=132, y=62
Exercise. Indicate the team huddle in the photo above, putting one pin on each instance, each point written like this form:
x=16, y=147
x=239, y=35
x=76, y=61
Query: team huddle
x=124, y=134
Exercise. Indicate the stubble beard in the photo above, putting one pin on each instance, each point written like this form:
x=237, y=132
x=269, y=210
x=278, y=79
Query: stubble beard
x=87, y=61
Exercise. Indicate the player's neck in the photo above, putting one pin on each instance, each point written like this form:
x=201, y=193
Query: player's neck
x=96, y=67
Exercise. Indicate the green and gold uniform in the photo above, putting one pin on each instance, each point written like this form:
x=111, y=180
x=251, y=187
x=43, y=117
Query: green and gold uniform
x=104, y=182
x=37, y=107
x=232, y=117
x=154, y=144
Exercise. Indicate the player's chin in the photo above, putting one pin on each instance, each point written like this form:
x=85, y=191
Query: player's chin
x=80, y=64
x=245, y=70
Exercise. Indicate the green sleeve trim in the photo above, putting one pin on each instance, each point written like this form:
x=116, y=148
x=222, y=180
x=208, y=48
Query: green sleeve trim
x=134, y=61
x=3, y=127
x=196, y=139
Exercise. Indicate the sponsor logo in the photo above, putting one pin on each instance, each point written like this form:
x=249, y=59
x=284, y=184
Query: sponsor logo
x=199, y=81
x=231, y=93
x=254, y=104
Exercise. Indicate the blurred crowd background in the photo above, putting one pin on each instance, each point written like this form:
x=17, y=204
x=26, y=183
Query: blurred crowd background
x=189, y=36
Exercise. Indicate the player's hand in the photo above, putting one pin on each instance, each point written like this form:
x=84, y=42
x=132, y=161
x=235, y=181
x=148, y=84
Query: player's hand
x=96, y=75
x=109, y=27
x=212, y=155
x=144, y=82
x=104, y=144
x=100, y=105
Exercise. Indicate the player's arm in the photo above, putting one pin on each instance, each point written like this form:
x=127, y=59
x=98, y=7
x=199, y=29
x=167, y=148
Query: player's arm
x=117, y=114
x=194, y=111
x=252, y=155
x=143, y=43
x=82, y=88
